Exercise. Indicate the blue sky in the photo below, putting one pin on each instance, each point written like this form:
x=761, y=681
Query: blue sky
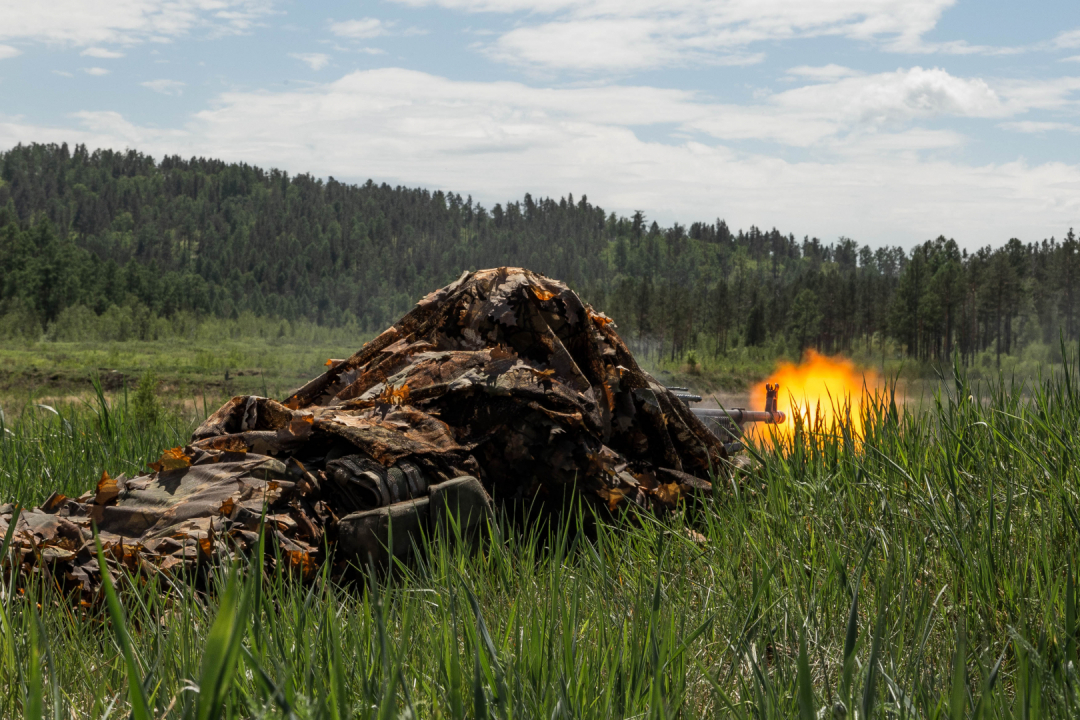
x=888, y=121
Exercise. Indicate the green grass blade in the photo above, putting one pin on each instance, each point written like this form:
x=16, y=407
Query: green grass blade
x=493, y=655
x=851, y=637
x=869, y=697
x=991, y=681
x=806, y=690
x=1070, y=616
x=339, y=703
x=35, y=690
x=267, y=684
x=7, y=635
x=959, y=692
x=140, y=705
x=222, y=650
x=480, y=709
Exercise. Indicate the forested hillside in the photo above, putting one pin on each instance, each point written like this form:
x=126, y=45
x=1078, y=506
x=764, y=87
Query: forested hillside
x=87, y=234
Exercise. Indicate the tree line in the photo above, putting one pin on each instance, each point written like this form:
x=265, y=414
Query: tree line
x=84, y=234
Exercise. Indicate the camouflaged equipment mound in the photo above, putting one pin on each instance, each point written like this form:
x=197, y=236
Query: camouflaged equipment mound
x=504, y=375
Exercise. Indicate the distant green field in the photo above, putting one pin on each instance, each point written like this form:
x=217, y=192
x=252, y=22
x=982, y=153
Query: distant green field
x=199, y=363
x=925, y=571
x=186, y=371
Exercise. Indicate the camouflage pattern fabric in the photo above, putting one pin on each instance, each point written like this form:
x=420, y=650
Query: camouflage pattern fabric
x=504, y=375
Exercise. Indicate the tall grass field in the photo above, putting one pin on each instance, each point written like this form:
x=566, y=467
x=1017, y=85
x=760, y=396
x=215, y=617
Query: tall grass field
x=924, y=570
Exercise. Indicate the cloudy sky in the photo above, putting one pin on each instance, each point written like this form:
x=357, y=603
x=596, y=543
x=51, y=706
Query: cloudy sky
x=888, y=121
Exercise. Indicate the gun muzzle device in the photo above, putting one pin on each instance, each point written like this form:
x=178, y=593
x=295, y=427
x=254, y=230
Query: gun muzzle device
x=727, y=424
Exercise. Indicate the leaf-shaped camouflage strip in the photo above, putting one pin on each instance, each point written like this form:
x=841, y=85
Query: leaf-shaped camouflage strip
x=172, y=459
x=107, y=490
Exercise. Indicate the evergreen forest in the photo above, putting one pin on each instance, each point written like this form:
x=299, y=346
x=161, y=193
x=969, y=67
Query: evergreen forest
x=87, y=237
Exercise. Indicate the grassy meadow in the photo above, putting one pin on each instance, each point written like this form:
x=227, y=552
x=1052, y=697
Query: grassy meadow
x=185, y=373
x=926, y=570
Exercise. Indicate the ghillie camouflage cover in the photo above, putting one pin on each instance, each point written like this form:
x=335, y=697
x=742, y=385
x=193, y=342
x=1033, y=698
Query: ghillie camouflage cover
x=504, y=375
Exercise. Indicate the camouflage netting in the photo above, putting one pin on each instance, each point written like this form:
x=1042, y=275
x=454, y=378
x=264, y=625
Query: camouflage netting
x=504, y=375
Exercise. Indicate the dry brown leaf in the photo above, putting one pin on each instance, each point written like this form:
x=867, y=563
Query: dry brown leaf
x=168, y=563
x=301, y=426
x=302, y=563
x=227, y=507
x=53, y=503
x=173, y=459
x=542, y=295
x=272, y=492
x=613, y=497
x=668, y=494
x=107, y=490
x=228, y=443
x=394, y=396
x=501, y=352
x=601, y=319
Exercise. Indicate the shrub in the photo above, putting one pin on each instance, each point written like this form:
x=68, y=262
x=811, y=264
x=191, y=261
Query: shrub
x=146, y=406
x=74, y=324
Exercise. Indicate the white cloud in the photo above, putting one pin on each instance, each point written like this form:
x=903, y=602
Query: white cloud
x=897, y=96
x=316, y=61
x=165, y=87
x=952, y=47
x=360, y=29
x=120, y=132
x=1069, y=39
x=6, y=51
x=497, y=6
x=857, y=111
x=907, y=144
x=824, y=72
x=872, y=172
x=618, y=35
x=500, y=140
x=63, y=73
x=97, y=22
x=98, y=52
x=97, y=71
x=1050, y=94
x=1074, y=58
x=619, y=44
x=1032, y=126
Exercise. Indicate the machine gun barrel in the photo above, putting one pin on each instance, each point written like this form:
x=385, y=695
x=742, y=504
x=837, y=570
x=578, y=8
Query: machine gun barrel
x=728, y=424
x=740, y=416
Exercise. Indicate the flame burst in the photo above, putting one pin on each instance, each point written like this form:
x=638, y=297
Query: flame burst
x=819, y=387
